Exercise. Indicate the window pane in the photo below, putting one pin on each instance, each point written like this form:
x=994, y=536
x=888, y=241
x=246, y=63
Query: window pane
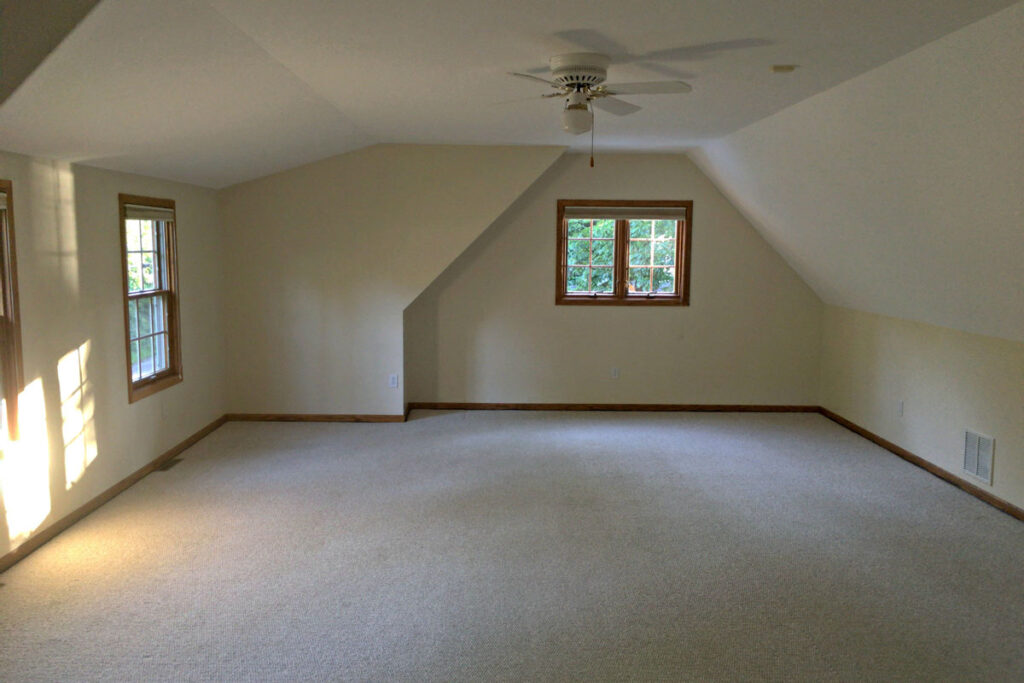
x=579, y=252
x=159, y=319
x=145, y=316
x=148, y=273
x=640, y=229
x=147, y=235
x=604, y=252
x=135, y=360
x=639, y=252
x=133, y=324
x=664, y=280
x=131, y=233
x=160, y=353
x=604, y=228
x=577, y=280
x=664, y=228
x=665, y=253
x=639, y=279
x=134, y=273
x=146, y=356
x=603, y=280
x=579, y=227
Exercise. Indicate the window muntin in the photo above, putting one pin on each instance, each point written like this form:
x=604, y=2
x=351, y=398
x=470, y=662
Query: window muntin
x=150, y=284
x=147, y=297
x=590, y=255
x=652, y=256
x=623, y=252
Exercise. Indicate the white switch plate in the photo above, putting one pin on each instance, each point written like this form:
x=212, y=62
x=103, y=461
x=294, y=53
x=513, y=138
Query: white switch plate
x=615, y=373
x=393, y=381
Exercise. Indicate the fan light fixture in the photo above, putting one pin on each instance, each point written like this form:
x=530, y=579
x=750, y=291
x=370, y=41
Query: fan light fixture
x=577, y=119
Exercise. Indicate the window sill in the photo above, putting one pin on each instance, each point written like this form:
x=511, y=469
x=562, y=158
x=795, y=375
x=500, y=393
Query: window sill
x=587, y=300
x=151, y=385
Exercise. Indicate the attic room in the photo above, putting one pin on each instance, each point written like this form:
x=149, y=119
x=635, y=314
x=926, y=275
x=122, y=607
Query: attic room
x=661, y=340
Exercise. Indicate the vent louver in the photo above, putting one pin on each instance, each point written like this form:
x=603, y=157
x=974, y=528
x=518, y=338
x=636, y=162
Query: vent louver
x=978, y=454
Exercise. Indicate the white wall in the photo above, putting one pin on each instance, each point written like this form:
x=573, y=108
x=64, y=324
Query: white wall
x=322, y=260
x=488, y=329
x=901, y=191
x=948, y=380
x=69, y=272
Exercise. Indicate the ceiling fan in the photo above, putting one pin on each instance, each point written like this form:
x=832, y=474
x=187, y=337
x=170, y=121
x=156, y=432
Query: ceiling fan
x=579, y=77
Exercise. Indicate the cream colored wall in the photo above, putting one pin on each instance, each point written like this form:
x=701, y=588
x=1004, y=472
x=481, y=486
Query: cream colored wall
x=69, y=272
x=900, y=191
x=323, y=259
x=488, y=330
x=948, y=380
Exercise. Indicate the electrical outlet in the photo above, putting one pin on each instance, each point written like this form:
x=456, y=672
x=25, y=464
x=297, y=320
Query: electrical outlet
x=393, y=381
x=615, y=373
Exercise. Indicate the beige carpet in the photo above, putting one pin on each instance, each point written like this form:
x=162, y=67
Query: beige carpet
x=539, y=546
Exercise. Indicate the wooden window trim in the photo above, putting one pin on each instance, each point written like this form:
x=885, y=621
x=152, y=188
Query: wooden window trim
x=10, y=321
x=148, y=386
x=620, y=297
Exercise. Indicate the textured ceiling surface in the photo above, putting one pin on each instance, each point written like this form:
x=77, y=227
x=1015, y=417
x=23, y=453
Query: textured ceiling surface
x=222, y=91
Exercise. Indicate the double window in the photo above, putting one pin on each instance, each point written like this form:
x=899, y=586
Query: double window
x=152, y=334
x=623, y=252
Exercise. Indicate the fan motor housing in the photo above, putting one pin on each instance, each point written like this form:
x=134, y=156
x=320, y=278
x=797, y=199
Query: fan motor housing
x=579, y=69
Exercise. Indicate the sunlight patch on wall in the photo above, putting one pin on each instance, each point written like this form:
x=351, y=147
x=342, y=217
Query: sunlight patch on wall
x=25, y=467
x=76, y=410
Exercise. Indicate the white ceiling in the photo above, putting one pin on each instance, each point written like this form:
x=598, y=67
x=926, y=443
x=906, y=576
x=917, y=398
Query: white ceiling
x=222, y=91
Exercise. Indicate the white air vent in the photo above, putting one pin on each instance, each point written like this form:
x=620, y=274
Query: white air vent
x=978, y=453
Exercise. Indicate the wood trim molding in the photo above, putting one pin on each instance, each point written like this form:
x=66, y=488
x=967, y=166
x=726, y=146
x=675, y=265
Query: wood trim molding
x=976, y=491
x=314, y=417
x=50, y=532
x=10, y=321
x=623, y=407
x=620, y=297
x=138, y=390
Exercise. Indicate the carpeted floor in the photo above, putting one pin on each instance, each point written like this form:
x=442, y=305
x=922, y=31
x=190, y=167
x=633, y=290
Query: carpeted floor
x=540, y=546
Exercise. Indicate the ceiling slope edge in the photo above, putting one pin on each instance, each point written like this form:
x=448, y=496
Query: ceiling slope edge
x=899, y=192
x=32, y=30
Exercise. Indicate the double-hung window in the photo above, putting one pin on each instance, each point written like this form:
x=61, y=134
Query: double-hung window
x=623, y=252
x=152, y=330
x=10, y=323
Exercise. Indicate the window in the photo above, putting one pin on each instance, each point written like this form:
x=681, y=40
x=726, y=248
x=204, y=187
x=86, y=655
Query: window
x=11, y=378
x=152, y=334
x=623, y=252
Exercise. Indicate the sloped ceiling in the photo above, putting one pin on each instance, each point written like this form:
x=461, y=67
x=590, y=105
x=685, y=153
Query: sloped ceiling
x=220, y=91
x=900, y=192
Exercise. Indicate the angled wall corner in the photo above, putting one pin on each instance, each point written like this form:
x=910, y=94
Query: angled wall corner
x=900, y=191
x=322, y=260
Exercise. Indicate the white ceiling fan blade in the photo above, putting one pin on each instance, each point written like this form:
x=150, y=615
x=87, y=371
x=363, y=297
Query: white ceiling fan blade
x=534, y=78
x=614, y=105
x=538, y=98
x=647, y=88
